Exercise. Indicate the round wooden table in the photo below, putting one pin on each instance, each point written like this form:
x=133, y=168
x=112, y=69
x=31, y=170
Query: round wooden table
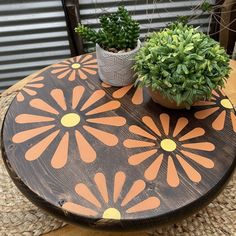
x=110, y=158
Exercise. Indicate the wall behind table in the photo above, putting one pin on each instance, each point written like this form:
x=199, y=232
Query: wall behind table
x=33, y=34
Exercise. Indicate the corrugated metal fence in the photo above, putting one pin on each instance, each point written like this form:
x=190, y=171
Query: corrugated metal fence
x=33, y=35
x=151, y=14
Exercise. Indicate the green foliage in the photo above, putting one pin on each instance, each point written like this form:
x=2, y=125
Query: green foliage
x=203, y=7
x=184, y=64
x=206, y=7
x=118, y=30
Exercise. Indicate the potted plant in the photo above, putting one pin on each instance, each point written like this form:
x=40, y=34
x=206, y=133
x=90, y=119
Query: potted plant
x=181, y=65
x=116, y=46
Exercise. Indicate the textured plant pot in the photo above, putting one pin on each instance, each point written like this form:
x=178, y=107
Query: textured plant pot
x=116, y=68
x=164, y=101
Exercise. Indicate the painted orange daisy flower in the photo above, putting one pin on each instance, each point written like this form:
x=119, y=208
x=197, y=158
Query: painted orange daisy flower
x=111, y=207
x=69, y=119
x=79, y=66
x=30, y=88
x=169, y=148
x=219, y=106
x=137, y=97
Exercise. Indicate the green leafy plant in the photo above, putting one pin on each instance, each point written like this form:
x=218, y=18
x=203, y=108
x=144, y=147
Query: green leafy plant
x=182, y=63
x=118, y=31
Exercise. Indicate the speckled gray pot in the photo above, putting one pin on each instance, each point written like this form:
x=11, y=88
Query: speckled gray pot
x=116, y=68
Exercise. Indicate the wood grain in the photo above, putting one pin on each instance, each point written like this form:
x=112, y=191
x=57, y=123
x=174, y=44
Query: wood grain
x=58, y=140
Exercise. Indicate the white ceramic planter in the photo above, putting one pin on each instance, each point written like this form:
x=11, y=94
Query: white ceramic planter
x=116, y=68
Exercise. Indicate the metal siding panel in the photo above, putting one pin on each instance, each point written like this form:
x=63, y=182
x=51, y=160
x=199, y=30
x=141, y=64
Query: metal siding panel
x=152, y=15
x=29, y=26
x=8, y=59
x=15, y=5
x=7, y=19
x=30, y=46
x=141, y=7
x=32, y=36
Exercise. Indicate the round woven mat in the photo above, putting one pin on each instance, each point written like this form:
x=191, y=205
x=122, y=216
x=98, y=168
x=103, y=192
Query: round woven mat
x=20, y=217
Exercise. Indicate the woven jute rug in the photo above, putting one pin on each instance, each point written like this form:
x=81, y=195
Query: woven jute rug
x=20, y=217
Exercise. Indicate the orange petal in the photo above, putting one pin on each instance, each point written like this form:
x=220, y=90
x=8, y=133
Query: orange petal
x=28, y=118
x=60, y=156
x=137, y=187
x=139, y=131
x=100, y=181
x=222, y=92
x=205, y=113
x=77, y=59
x=140, y=157
x=83, y=191
x=106, y=85
x=86, y=58
x=109, y=106
x=40, y=78
x=204, y=146
x=91, y=66
x=78, y=92
x=78, y=209
x=20, y=97
x=152, y=171
x=113, y=121
x=203, y=161
x=165, y=121
x=189, y=170
x=138, y=96
x=82, y=75
x=36, y=151
x=35, y=85
x=30, y=91
x=71, y=61
x=105, y=137
x=146, y=205
x=64, y=74
x=148, y=121
x=118, y=184
x=215, y=93
x=219, y=122
x=122, y=91
x=60, y=65
x=132, y=143
x=233, y=119
x=68, y=62
x=96, y=96
x=41, y=105
x=91, y=72
x=72, y=75
x=172, y=176
x=28, y=134
x=59, y=98
x=59, y=70
x=94, y=61
x=180, y=125
x=197, y=132
x=87, y=153
x=204, y=103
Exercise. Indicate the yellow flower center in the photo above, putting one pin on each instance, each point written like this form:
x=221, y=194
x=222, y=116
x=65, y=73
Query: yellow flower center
x=111, y=213
x=226, y=103
x=75, y=66
x=70, y=120
x=168, y=145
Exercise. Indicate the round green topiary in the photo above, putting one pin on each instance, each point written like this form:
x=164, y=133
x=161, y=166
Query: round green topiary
x=182, y=63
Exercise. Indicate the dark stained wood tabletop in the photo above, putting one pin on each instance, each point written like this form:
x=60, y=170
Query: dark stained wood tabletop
x=110, y=158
